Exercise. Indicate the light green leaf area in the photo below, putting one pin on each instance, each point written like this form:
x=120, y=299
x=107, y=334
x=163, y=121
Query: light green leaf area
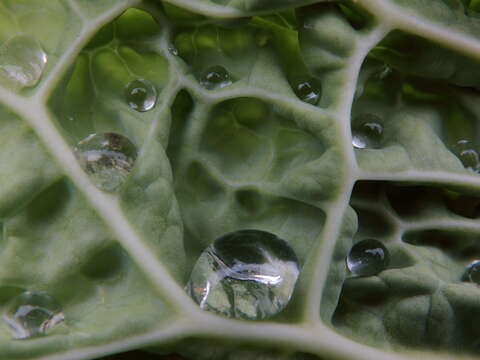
x=273, y=145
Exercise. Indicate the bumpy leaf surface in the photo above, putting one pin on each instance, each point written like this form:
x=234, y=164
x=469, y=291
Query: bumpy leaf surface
x=250, y=155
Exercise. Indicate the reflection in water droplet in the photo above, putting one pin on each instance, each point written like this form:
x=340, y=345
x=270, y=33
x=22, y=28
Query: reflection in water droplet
x=472, y=272
x=308, y=90
x=246, y=274
x=367, y=132
x=215, y=77
x=32, y=314
x=367, y=257
x=22, y=61
x=141, y=95
x=467, y=154
x=107, y=158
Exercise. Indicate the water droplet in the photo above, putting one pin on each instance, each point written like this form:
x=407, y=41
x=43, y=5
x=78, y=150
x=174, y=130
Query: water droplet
x=472, y=272
x=215, y=77
x=467, y=154
x=32, y=314
x=172, y=50
x=22, y=61
x=367, y=132
x=308, y=90
x=141, y=95
x=246, y=274
x=107, y=158
x=367, y=257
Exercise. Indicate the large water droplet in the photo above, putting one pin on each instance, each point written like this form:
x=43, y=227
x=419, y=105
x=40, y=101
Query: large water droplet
x=246, y=274
x=107, y=158
x=367, y=257
x=367, y=131
x=215, y=77
x=308, y=90
x=467, y=154
x=32, y=314
x=141, y=95
x=472, y=272
x=22, y=61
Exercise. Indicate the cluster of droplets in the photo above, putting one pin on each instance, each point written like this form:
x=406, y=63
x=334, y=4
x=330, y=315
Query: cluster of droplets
x=249, y=274
x=32, y=313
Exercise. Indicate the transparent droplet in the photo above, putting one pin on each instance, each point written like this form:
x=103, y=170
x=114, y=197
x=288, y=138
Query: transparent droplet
x=467, y=154
x=367, y=131
x=22, y=61
x=472, y=272
x=141, y=95
x=32, y=314
x=107, y=158
x=246, y=274
x=215, y=77
x=367, y=257
x=172, y=50
x=308, y=91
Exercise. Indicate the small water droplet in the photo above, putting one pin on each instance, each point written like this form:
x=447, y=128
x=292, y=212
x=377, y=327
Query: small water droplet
x=367, y=257
x=247, y=274
x=141, y=95
x=472, y=272
x=367, y=132
x=107, y=158
x=172, y=50
x=467, y=154
x=32, y=314
x=215, y=77
x=308, y=91
x=22, y=61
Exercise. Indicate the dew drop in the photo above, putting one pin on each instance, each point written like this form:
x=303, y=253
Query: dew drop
x=367, y=257
x=215, y=77
x=107, y=158
x=467, y=154
x=247, y=274
x=141, y=95
x=22, y=61
x=308, y=91
x=367, y=132
x=472, y=272
x=31, y=314
x=172, y=50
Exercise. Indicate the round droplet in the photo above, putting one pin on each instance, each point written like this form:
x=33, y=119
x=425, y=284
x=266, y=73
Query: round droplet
x=32, y=314
x=472, y=272
x=141, y=95
x=172, y=50
x=308, y=91
x=467, y=154
x=22, y=61
x=367, y=257
x=247, y=274
x=367, y=132
x=107, y=158
x=215, y=77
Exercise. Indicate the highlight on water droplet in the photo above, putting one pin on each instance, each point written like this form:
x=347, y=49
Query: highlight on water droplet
x=22, y=61
x=141, y=95
x=108, y=159
x=32, y=314
x=472, y=272
x=468, y=155
x=215, y=77
x=367, y=131
x=367, y=257
x=249, y=274
x=307, y=90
